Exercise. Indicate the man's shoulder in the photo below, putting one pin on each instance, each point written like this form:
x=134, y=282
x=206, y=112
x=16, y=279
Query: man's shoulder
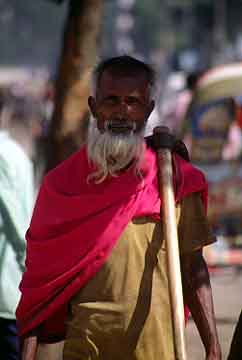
x=74, y=161
x=10, y=148
x=13, y=160
x=189, y=179
x=188, y=167
x=70, y=171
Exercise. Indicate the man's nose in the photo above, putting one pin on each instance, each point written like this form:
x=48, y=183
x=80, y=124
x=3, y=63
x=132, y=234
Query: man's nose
x=123, y=109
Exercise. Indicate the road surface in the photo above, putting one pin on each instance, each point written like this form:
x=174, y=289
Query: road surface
x=227, y=293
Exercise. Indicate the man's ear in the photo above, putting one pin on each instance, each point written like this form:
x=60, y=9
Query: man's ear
x=92, y=105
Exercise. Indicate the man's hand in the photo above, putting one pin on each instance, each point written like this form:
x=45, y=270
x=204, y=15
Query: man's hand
x=167, y=140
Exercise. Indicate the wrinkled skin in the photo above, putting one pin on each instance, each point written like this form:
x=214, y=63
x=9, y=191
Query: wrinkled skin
x=122, y=99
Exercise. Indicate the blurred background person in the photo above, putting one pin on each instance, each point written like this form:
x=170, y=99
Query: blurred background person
x=211, y=132
x=176, y=99
x=184, y=99
x=19, y=127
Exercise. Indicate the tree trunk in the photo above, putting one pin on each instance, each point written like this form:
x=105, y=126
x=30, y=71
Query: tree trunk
x=67, y=129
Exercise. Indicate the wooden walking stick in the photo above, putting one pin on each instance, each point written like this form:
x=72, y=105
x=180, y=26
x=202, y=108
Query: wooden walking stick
x=163, y=142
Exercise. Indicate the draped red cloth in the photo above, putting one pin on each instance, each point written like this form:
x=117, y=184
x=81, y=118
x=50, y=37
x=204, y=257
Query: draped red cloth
x=75, y=225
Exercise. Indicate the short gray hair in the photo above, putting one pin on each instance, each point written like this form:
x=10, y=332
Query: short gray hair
x=124, y=65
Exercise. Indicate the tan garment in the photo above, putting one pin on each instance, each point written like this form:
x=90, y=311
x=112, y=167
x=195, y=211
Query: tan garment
x=50, y=351
x=124, y=311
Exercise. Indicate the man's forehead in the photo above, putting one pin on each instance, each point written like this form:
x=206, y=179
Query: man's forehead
x=114, y=80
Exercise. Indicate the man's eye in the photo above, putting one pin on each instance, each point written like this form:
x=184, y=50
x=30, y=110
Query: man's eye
x=132, y=101
x=110, y=100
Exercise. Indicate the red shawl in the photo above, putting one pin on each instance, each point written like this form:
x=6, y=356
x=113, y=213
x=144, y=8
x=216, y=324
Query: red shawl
x=75, y=225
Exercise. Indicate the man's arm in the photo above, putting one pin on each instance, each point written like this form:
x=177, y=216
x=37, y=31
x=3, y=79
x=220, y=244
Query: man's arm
x=198, y=296
x=29, y=348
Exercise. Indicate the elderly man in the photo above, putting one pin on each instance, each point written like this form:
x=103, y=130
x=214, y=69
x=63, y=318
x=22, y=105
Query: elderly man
x=96, y=262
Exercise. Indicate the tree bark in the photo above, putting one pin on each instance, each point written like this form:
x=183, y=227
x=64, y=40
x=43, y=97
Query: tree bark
x=81, y=34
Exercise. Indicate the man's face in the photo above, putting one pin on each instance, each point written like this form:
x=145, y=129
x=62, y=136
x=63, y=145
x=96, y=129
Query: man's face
x=122, y=102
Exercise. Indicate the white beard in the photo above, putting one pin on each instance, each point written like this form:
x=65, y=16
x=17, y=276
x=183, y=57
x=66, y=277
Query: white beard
x=112, y=153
